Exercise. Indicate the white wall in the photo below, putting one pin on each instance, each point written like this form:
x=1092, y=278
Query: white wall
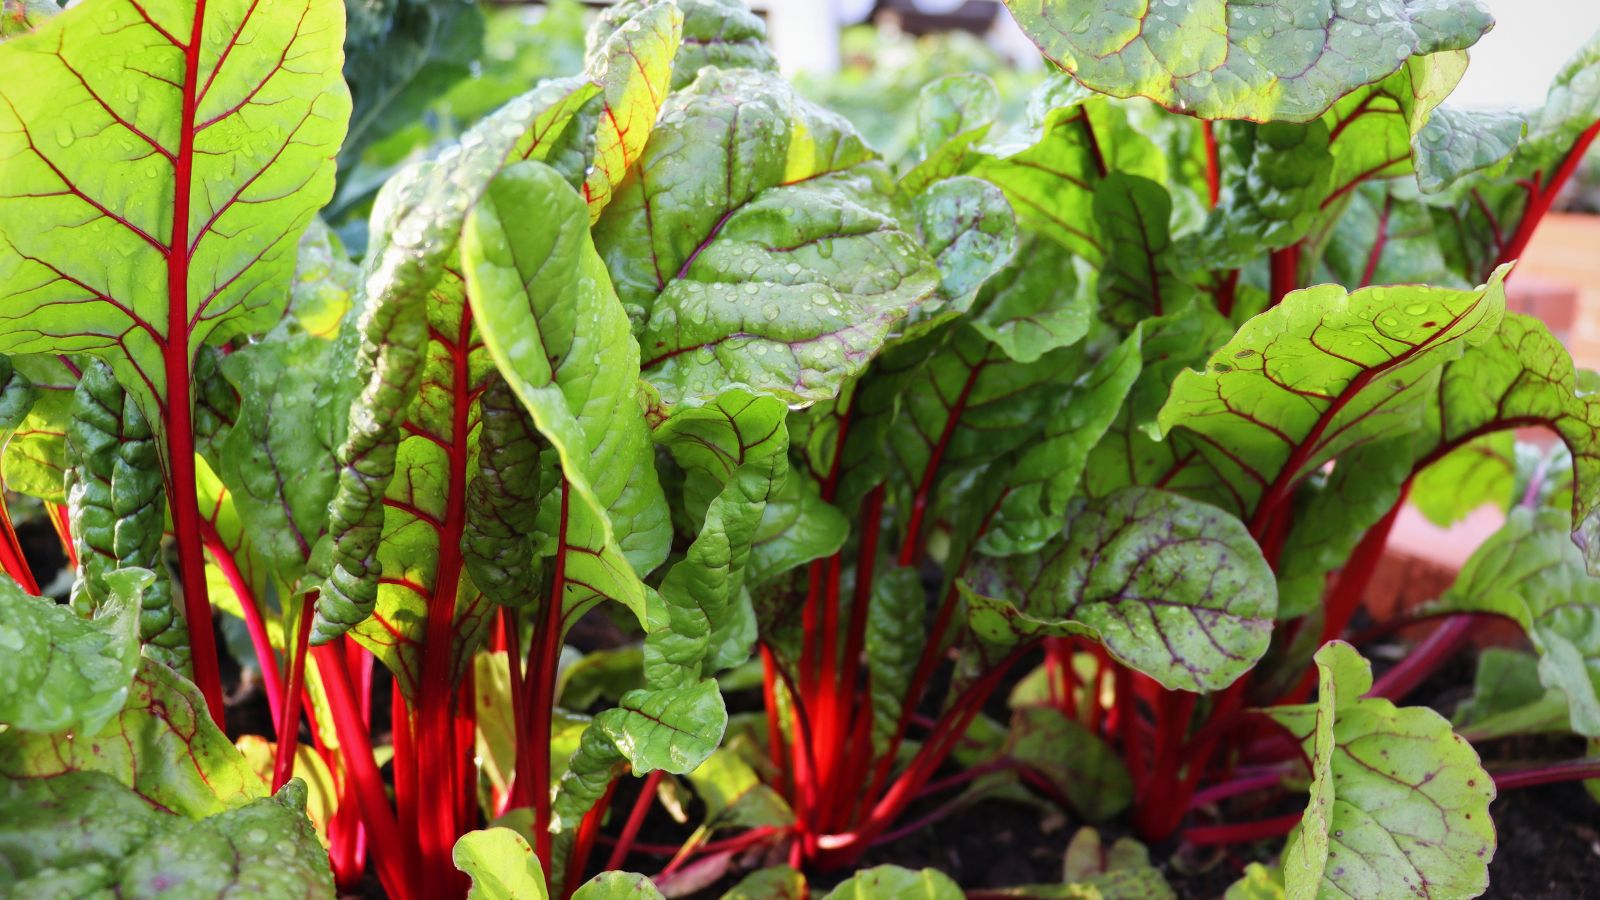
x=1514, y=63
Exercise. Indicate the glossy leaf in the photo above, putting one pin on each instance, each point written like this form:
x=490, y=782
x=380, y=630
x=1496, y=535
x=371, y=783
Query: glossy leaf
x=783, y=277
x=968, y=228
x=296, y=384
x=191, y=179
x=774, y=883
x=894, y=642
x=1323, y=372
x=634, y=67
x=722, y=33
x=954, y=113
x=502, y=866
x=418, y=219
x=60, y=672
x=1039, y=302
x=554, y=329
x=1399, y=805
x=1226, y=59
x=1171, y=587
x=673, y=730
x=35, y=459
x=617, y=886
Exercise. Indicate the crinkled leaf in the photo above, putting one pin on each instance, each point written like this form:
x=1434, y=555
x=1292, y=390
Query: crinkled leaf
x=163, y=745
x=894, y=642
x=966, y=405
x=755, y=247
x=722, y=33
x=734, y=454
x=797, y=526
x=1529, y=572
x=296, y=388
x=154, y=194
x=895, y=883
x=60, y=672
x=1049, y=171
x=1399, y=805
x=83, y=834
x=1320, y=374
x=35, y=457
x=118, y=503
x=673, y=730
x=1457, y=142
x=1172, y=587
x=1283, y=174
x=1227, y=59
x=1045, y=476
x=502, y=865
x=417, y=221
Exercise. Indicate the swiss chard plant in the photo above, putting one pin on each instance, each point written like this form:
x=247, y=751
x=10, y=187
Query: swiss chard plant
x=1097, y=417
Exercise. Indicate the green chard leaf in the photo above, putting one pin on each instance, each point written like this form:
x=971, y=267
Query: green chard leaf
x=190, y=179
x=118, y=505
x=35, y=458
x=1399, y=804
x=296, y=385
x=773, y=883
x=83, y=834
x=1038, y=302
x=553, y=326
x=1317, y=376
x=1171, y=587
x=968, y=228
x=418, y=324
x=1284, y=173
x=1077, y=762
x=722, y=33
x=784, y=279
x=1530, y=573
x=501, y=531
x=896, y=635
x=62, y=672
x=954, y=113
x=162, y=745
x=734, y=453
x=1228, y=59
x=502, y=866
x=895, y=883
x=1045, y=476
x=673, y=729
x=1138, y=280
x=1051, y=168
x=1522, y=376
